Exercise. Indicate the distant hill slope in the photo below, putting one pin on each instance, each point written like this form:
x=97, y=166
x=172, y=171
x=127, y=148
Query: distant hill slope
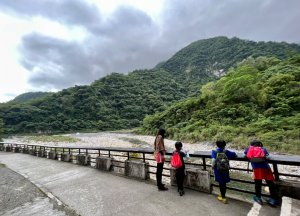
x=29, y=96
x=122, y=101
x=259, y=99
x=208, y=59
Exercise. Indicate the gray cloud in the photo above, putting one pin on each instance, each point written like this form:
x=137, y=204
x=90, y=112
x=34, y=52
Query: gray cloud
x=129, y=39
x=268, y=20
x=70, y=12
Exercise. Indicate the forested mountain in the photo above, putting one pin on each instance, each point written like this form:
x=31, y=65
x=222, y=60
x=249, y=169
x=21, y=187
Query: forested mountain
x=122, y=101
x=28, y=96
x=113, y=102
x=205, y=60
x=260, y=98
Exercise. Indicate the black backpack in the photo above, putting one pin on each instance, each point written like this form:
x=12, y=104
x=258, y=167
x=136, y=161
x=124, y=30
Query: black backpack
x=222, y=162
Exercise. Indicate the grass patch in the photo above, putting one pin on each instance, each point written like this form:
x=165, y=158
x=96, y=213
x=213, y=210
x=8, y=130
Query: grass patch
x=52, y=138
x=2, y=165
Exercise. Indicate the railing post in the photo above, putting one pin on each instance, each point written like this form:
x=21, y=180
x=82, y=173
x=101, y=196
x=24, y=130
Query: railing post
x=108, y=153
x=276, y=174
x=144, y=158
x=204, y=163
x=69, y=151
x=99, y=152
x=128, y=155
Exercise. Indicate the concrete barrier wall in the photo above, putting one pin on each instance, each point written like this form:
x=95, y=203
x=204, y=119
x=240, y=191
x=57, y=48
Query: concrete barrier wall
x=31, y=151
x=52, y=155
x=288, y=188
x=16, y=149
x=196, y=179
x=7, y=148
x=25, y=150
x=41, y=153
x=66, y=157
x=118, y=167
x=137, y=169
x=83, y=159
x=104, y=163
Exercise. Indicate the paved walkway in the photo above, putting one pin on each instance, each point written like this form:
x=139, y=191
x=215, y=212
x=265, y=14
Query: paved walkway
x=88, y=191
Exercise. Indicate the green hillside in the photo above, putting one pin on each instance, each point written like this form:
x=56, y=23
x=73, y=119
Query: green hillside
x=208, y=59
x=260, y=98
x=122, y=101
x=28, y=96
x=114, y=102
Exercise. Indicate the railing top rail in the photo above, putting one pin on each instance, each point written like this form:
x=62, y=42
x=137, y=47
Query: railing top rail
x=280, y=159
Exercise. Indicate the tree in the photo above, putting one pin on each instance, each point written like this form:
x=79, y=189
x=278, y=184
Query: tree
x=1, y=129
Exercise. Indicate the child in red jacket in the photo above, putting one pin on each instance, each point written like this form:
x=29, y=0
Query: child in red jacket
x=261, y=170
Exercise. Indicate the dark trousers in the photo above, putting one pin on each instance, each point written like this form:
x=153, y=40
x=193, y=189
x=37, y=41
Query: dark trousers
x=258, y=185
x=159, y=170
x=222, y=189
x=180, y=175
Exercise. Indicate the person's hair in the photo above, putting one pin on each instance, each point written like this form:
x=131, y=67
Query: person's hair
x=221, y=143
x=178, y=145
x=161, y=132
x=256, y=143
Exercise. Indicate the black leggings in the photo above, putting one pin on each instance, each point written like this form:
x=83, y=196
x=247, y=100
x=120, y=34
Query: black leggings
x=180, y=175
x=258, y=185
x=223, y=189
x=159, y=170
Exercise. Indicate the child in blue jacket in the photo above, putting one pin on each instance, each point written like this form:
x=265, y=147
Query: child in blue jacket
x=221, y=176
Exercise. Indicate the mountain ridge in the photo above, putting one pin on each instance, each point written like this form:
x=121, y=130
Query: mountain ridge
x=120, y=101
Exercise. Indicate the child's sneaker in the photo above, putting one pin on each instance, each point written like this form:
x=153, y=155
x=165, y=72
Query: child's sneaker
x=258, y=200
x=223, y=200
x=219, y=197
x=272, y=202
x=181, y=192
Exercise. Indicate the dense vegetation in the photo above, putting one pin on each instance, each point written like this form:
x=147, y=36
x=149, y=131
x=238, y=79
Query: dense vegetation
x=113, y=102
x=28, y=96
x=121, y=101
x=204, y=60
x=1, y=129
x=260, y=98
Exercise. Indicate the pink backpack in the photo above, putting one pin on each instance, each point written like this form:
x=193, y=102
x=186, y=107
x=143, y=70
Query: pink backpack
x=256, y=154
x=176, y=160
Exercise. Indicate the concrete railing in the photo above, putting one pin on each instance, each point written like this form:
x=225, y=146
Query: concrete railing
x=140, y=163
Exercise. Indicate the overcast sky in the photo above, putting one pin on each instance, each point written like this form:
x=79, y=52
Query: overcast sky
x=48, y=45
